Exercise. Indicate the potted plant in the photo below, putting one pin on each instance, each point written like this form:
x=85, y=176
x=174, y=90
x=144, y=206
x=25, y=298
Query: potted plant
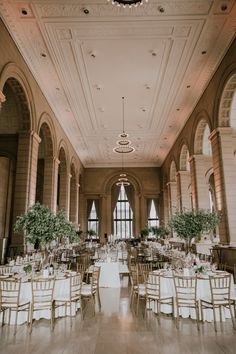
x=193, y=223
x=144, y=232
x=64, y=229
x=41, y=226
x=91, y=233
x=37, y=224
x=160, y=231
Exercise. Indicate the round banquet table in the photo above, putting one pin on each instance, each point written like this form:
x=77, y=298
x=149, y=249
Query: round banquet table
x=203, y=291
x=61, y=291
x=109, y=274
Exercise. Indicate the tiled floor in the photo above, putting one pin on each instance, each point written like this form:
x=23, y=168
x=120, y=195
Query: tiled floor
x=116, y=331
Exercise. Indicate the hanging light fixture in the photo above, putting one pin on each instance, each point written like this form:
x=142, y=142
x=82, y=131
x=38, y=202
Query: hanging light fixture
x=124, y=146
x=122, y=180
x=128, y=3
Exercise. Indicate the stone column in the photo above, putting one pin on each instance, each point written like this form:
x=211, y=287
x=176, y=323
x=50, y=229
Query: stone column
x=105, y=215
x=199, y=165
x=225, y=177
x=56, y=163
x=164, y=210
x=26, y=177
x=33, y=162
x=136, y=215
x=74, y=201
x=48, y=185
x=183, y=192
x=172, y=197
x=67, y=200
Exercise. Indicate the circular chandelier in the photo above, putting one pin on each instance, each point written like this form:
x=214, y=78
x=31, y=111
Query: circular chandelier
x=128, y=3
x=124, y=149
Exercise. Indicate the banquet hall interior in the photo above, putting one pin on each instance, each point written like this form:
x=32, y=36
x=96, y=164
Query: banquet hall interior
x=117, y=176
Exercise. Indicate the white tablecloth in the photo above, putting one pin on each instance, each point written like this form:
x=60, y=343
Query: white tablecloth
x=61, y=291
x=203, y=291
x=109, y=274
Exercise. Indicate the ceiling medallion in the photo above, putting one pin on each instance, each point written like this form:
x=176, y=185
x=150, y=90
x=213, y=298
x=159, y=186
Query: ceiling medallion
x=128, y=3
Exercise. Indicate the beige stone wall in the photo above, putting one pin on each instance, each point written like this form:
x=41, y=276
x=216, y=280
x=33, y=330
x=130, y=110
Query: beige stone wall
x=97, y=184
x=15, y=123
x=208, y=109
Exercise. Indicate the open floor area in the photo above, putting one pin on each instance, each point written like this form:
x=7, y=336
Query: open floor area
x=116, y=330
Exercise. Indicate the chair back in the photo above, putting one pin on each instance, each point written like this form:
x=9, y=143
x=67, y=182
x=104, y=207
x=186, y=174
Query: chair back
x=153, y=285
x=42, y=291
x=5, y=270
x=220, y=287
x=95, y=278
x=75, y=287
x=143, y=271
x=185, y=289
x=9, y=292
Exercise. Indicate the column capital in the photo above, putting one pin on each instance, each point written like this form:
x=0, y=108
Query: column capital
x=35, y=136
x=182, y=173
x=69, y=175
x=220, y=131
x=171, y=183
x=56, y=160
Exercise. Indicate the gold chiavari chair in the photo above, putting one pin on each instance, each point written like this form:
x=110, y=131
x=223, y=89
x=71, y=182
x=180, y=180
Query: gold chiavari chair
x=138, y=287
x=221, y=266
x=154, y=293
x=220, y=286
x=42, y=298
x=186, y=295
x=10, y=299
x=74, y=295
x=5, y=270
x=91, y=291
x=82, y=269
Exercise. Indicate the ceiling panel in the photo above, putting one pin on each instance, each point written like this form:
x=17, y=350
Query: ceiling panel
x=160, y=61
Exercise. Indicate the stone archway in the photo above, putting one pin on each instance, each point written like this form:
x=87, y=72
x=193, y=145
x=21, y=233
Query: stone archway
x=200, y=163
x=62, y=191
x=15, y=143
x=45, y=167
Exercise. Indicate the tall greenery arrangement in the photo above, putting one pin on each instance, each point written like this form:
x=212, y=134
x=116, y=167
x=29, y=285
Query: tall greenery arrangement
x=193, y=223
x=160, y=231
x=41, y=226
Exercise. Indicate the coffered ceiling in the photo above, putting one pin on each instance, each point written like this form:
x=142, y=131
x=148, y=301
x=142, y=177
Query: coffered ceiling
x=86, y=55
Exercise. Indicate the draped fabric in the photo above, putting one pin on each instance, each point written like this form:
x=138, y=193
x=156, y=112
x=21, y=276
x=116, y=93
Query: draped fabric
x=89, y=207
x=114, y=196
x=157, y=207
x=96, y=203
x=149, y=204
x=129, y=190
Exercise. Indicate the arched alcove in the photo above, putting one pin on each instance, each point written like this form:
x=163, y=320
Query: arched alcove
x=202, y=144
x=73, y=214
x=45, y=167
x=15, y=125
x=62, y=181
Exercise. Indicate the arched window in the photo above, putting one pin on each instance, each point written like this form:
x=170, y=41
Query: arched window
x=123, y=216
x=93, y=219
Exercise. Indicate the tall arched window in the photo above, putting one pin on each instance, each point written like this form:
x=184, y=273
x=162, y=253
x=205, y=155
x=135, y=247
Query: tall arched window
x=123, y=216
x=93, y=219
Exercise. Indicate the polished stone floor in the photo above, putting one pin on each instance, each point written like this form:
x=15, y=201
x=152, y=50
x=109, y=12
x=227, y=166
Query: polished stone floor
x=115, y=330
